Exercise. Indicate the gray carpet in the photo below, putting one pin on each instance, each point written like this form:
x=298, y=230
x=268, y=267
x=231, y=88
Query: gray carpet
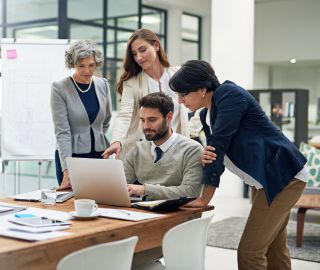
x=226, y=234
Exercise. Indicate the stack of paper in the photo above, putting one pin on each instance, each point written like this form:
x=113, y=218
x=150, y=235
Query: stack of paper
x=6, y=209
x=34, y=233
x=32, y=236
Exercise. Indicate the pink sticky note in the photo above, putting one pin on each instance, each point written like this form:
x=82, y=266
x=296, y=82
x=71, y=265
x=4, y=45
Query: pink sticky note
x=12, y=54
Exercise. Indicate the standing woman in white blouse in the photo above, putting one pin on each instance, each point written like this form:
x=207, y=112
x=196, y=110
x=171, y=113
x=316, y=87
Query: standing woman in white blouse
x=146, y=70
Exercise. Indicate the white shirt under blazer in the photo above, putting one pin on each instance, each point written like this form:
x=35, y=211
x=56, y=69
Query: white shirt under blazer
x=127, y=128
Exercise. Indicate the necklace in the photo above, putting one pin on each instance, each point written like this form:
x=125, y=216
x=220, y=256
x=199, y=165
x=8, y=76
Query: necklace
x=82, y=91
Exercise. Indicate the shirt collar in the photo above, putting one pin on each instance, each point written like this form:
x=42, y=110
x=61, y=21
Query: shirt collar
x=166, y=145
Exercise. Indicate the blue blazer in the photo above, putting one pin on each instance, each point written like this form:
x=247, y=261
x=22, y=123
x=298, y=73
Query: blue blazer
x=243, y=132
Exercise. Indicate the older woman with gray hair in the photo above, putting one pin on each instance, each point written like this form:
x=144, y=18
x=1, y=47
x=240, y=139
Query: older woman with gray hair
x=81, y=109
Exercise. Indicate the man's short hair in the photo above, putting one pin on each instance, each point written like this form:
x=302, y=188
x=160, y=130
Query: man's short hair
x=157, y=101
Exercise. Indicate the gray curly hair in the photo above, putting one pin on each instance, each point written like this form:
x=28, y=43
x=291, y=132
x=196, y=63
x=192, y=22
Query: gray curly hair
x=82, y=49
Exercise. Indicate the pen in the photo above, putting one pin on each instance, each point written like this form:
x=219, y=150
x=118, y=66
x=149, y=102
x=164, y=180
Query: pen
x=124, y=212
x=52, y=221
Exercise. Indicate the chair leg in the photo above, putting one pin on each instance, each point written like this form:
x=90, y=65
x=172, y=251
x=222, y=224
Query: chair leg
x=300, y=225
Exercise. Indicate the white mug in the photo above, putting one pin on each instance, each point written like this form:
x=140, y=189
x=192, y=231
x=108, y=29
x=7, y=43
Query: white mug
x=85, y=207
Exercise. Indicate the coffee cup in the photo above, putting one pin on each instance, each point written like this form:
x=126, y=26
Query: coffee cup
x=85, y=207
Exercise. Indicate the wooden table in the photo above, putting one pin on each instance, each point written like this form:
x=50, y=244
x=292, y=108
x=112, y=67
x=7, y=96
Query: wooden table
x=306, y=202
x=17, y=254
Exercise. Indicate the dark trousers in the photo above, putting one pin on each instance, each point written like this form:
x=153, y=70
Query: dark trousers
x=59, y=171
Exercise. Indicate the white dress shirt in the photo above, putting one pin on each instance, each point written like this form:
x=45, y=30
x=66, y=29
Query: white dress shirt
x=164, y=147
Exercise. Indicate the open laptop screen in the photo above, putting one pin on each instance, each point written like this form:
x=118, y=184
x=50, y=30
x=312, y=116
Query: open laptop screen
x=102, y=180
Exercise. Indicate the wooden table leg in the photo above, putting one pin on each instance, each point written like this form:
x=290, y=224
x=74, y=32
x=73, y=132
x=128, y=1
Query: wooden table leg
x=300, y=224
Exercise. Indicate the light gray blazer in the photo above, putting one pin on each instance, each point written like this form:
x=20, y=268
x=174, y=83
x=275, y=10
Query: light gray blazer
x=71, y=121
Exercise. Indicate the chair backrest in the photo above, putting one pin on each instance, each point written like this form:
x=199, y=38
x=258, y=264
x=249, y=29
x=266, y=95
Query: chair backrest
x=184, y=245
x=114, y=255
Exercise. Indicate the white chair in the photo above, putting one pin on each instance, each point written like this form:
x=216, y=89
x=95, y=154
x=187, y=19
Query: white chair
x=184, y=245
x=109, y=256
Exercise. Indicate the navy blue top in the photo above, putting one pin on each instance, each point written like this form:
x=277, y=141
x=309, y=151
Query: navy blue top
x=89, y=100
x=243, y=132
x=91, y=104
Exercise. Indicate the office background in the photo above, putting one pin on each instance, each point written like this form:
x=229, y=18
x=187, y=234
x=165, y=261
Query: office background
x=269, y=44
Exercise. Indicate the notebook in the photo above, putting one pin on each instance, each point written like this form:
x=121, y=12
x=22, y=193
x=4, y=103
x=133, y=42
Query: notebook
x=102, y=180
x=163, y=205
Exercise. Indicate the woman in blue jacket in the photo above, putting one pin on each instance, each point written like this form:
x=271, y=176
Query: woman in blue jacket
x=241, y=137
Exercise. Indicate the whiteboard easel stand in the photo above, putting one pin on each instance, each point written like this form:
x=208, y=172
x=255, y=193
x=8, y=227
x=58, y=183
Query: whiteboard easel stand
x=39, y=174
x=17, y=182
x=17, y=178
x=4, y=165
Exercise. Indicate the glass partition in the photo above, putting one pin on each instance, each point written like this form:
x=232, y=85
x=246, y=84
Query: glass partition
x=85, y=10
x=30, y=10
x=84, y=31
x=190, y=37
x=33, y=31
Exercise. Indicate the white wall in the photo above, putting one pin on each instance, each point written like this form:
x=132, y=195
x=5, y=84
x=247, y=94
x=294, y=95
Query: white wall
x=232, y=40
x=232, y=27
x=261, y=76
x=174, y=36
x=287, y=29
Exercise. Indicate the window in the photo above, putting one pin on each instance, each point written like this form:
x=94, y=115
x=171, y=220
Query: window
x=106, y=22
x=191, y=37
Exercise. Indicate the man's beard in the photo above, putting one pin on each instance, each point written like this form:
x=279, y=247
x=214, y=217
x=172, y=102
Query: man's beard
x=162, y=132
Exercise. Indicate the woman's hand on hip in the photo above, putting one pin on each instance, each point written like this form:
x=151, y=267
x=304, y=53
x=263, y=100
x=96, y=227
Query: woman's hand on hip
x=208, y=155
x=114, y=148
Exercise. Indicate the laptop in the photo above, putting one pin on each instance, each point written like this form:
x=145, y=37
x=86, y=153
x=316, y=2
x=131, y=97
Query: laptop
x=102, y=180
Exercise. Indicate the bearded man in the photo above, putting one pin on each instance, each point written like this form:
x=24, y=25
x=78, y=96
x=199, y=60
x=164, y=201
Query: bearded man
x=166, y=165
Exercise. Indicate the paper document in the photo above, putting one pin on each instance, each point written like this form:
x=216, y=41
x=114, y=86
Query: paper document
x=9, y=229
x=28, y=229
x=32, y=236
x=5, y=209
x=126, y=214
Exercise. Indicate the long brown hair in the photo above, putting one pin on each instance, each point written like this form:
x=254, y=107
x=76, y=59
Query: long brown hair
x=130, y=66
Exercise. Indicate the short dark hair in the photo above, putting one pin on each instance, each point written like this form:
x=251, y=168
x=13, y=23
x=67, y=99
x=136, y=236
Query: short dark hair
x=192, y=76
x=159, y=101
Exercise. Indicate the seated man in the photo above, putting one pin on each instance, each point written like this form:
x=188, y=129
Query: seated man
x=167, y=165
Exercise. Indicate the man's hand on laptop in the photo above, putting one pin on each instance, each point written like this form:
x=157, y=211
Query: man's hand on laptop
x=136, y=190
x=66, y=183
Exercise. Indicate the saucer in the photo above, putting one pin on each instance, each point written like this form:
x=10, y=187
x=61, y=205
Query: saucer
x=76, y=216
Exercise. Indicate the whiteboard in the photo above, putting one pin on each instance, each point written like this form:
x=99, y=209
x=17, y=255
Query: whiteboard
x=28, y=69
